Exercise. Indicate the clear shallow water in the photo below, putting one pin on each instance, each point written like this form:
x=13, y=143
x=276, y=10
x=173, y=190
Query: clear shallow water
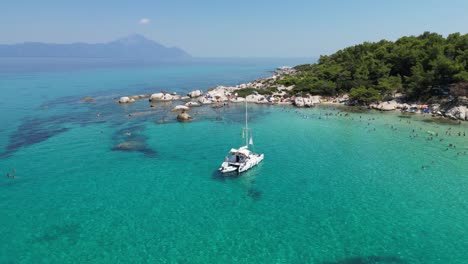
x=330, y=190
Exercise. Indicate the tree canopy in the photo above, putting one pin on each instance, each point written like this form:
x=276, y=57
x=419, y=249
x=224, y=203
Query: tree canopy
x=419, y=66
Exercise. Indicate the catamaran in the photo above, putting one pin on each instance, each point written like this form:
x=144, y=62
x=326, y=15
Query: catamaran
x=241, y=159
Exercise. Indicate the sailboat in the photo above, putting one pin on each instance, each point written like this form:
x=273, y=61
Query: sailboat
x=241, y=159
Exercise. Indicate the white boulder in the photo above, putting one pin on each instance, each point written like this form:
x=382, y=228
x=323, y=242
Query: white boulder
x=316, y=99
x=458, y=112
x=387, y=106
x=126, y=100
x=195, y=93
x=156, y=97
x=238, y=100
x=254, y=98
x=181, y=108
x=184, y=117
x=205, y=100
x=299, y=102
x=192, y=104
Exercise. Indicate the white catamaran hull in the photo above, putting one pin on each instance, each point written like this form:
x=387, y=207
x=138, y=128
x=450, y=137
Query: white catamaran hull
x=250, y=162
x=242, y=159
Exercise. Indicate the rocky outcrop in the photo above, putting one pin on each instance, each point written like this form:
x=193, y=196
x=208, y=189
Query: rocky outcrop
x=139, y=96
x=180, y=108
x=255, y=98
x=196, y=93
x=132, y=99
x=126, y=100
x=205, y=100
x=458, y=112
x=307, y=101
x=238, y=100
x=184, y=117
x=157, y=97
x=316, y=99
x=387, y=106
x=299, y=102
x=190, y=104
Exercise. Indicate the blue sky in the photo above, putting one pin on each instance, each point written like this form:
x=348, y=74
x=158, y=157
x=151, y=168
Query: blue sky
x=234, y=28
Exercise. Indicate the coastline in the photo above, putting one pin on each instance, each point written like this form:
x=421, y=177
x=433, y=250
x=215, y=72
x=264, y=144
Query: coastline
x=266, y=91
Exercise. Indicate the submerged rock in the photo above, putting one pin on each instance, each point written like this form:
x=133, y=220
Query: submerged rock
x=184, y=117
x=192, y=104
x=129, y=146
x=181, y=108
x=87, y=99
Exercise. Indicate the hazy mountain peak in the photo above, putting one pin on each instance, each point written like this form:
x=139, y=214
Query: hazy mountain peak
x=132, y=46
x=134, y=39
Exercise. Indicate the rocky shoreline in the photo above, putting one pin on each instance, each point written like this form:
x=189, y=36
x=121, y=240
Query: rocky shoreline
x=222, y=95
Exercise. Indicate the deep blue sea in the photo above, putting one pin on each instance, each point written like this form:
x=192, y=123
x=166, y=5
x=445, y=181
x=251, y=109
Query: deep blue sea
x=337, y=186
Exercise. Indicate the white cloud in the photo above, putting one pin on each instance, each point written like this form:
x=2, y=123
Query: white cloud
x=145, y=21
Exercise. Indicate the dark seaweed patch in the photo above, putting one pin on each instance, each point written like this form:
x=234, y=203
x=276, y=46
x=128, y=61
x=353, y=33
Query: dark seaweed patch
x=26, y=138
x=36, y=130
x=130, y=139
x=368, y=260
x=254, y=194
x=404, y=116
x=70, y=232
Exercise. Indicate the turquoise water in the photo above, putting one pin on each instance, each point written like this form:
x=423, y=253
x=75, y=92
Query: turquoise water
x=333, y=188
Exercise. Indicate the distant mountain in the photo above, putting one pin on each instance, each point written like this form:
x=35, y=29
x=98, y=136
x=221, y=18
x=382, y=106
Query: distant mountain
x=134, y=47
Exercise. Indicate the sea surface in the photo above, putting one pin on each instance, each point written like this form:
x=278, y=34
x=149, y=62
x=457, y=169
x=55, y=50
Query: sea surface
x=99, y=182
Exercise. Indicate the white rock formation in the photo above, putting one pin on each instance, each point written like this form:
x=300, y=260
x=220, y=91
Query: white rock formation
x=299, y=102
x=458, y=112
x=387, y=106
x=156, y=97
x=192, y=104
x=126, y=100
x=181, y=108
x=238, y=100
x=205, y=100
x=195, y=93
x=183, y=117
x=254, y=98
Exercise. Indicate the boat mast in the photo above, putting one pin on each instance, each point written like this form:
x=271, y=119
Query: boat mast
x=246, y=127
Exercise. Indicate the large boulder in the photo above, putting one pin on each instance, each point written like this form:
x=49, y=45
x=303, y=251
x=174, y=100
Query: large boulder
x=195, y=93
x=192, y=104
x=205, y=100
x=387, y=106
x=299, y=102
x=174, y=97
x=254, y=98
x=156, y=97
x=168, y=97
x=184, y=117
x=238, y=100
x=126, y=100
x=316, y=99
x=458, y=112
x=180, y=108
